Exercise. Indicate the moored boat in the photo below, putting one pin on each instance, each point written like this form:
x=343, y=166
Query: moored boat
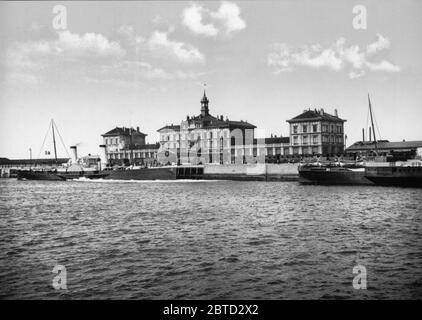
x=403, y=174
x=333, y=174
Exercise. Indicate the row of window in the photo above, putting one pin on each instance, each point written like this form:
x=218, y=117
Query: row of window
x=325, y=139
x=139, y=155
x=335, y=128
x=109, y=141
x=195, y=135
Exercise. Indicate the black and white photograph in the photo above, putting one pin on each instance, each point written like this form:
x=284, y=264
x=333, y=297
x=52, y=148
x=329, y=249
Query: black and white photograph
x=211, y=151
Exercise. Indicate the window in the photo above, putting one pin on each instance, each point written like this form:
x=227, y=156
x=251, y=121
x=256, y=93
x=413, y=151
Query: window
x=305, y=139
x=315, y=128
x=305, y=128
x=294, y=129
x=295, y=140
x=315, y=139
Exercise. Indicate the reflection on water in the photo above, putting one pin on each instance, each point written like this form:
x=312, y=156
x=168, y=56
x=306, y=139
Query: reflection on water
x=214, y=239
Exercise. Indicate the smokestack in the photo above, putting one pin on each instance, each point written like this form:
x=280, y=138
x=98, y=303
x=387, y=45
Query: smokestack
x=363, y=134
x=103, y=155
x=370, y=134
x=74, y=154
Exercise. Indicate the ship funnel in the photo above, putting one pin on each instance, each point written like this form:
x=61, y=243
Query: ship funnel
x=74, y=154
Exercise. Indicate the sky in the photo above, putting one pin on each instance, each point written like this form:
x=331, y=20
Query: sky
x=141, y=63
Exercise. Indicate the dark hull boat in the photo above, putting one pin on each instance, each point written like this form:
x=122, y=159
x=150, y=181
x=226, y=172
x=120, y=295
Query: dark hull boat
x=60, y=176
x=395, y=175
x=159, y=173
x=326, y=175
x=39, y=175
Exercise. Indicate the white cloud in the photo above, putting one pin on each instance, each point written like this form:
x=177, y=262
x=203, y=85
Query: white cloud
x=229, y=14
x=160, y=43
x=192, y=18
x=96, y=59
x=380, y=44
x=89, y=43
x=226, y=20
x=383, y=65
x=335, y=57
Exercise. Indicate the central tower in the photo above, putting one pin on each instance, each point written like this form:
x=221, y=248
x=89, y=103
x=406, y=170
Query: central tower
x=204, y=105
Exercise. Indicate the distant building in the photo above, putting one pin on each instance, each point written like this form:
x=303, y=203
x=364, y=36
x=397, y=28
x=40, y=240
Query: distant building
x=124, y=146
x=276, y=149
x=315, y=132
x=205, y=139
x=404, y=149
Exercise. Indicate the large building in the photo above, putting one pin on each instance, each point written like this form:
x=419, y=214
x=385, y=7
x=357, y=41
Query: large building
x=125, y=146
x=208, y=139
x=205, y=139
x=315, y=132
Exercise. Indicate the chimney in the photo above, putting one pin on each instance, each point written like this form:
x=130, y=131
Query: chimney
x=321, y=112
x=137, y=129
x=187, y=118
x=74, y=154
x=336, y=113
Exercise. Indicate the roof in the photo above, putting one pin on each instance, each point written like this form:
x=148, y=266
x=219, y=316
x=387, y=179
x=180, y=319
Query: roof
x=207, y=121
x=384, y=144
x=314, y=115
x=170, y=127
x=276, y=140
x=49, y=161
x=123, y=132
x=150, y=146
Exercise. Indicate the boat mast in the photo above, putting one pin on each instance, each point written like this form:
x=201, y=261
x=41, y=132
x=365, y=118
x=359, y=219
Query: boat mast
x=54, y=141
x=372, y=122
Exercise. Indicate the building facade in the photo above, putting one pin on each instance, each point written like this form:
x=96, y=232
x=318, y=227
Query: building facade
x=205, y=139
x=127, y=146
x=316, y=133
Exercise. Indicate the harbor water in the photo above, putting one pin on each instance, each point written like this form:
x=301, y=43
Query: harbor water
x=208, y=240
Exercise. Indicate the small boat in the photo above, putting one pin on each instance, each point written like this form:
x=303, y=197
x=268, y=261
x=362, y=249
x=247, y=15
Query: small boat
x=39, y=175
x=333, y=174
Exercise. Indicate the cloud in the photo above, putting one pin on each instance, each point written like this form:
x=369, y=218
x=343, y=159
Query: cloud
x=160, y=43
x=192, y=18
x=229, y=15
x=36, y=61
x=380, y=44
x=94, y=58
x=130, y=70
x=335, y=57
x=226, y=20
x=89, y=43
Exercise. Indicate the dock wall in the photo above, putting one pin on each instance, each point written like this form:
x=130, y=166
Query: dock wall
x=257, y=172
